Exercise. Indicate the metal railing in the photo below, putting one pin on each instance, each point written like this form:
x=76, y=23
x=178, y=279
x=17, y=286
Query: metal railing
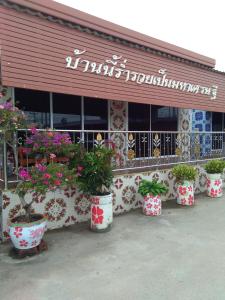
x=134, y=149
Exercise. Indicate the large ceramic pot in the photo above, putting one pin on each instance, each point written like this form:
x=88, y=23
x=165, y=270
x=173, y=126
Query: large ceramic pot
x=152, y=205
x=214, y=185
x=185, y=193
x=101, y=213
x=27, y=235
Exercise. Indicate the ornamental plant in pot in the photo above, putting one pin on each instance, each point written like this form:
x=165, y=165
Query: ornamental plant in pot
x=151, y=191
x=185, y=176
x=94, y=178
x=27, y=229
x=214, y=169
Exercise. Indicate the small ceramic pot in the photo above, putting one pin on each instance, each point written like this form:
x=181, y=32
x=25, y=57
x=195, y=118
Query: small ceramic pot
x=152, y=205
x=101, y=213
x=185, y=193
x=214, y=185
x=27, y=235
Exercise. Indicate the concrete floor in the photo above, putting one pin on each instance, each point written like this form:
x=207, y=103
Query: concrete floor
x=179, y=255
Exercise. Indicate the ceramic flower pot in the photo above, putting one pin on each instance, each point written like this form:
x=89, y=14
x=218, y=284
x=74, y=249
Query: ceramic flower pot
x=27, y=235
x=152, y=205
x=214, y=185
x=185, y=193
x=101, y=213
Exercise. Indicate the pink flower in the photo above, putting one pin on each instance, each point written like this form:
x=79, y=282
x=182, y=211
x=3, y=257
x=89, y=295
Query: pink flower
x=23, y=243
x=190, y=188
x=57, y=182
x=182, y=190
x=1, y=107
x=18, y=232
x=80, y=168
x=1, y=95
x=47, y=176
x=46, y=182
x=40, y=167
x=217, y=182
x=60, y=175
x=52, y=155
x=33, y=130
x=191, y=200
x=24, y=174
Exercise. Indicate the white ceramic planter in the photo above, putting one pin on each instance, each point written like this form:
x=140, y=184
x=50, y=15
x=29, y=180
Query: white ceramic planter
x=214, y=185
x=152, y=205
x=185, y=193
x=27, y=235
x=101, y=213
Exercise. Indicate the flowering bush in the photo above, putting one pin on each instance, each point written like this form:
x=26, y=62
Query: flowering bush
x=49, y=142
x=11, y=118
x=42, y=178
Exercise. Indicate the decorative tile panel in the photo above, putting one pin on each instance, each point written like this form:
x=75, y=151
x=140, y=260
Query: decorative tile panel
x=67, y=207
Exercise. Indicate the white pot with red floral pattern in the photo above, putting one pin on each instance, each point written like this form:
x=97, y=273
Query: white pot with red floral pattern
x=185, y=193
x=27, y=235
x=101, y=213
x=214, y=185
x=152, y=205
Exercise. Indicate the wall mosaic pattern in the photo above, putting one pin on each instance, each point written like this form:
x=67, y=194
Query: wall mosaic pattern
x=202, y=121
x=67, y=207
x=118, y=122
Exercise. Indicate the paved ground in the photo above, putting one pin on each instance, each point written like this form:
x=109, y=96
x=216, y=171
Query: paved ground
x=178, y=256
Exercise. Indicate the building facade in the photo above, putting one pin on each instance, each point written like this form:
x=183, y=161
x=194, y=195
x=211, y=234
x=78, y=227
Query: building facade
x=71, y=71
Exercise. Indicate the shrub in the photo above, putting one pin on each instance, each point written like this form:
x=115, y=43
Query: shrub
x=214, y=166
x=94, y=171
x=151, y=187
x=184, y=172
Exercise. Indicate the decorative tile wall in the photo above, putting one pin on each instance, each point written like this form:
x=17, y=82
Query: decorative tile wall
x=202, y=121
x=185, y=126
x=67, y=207
x=118, y=122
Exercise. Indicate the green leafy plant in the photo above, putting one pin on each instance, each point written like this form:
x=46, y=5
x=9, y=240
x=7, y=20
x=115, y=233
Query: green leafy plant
x=184, y=172
x=151, y=187
x=94, y=171
x=214, y=166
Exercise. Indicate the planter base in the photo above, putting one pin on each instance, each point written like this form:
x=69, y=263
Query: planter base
x=94, y=229
x=22, y=253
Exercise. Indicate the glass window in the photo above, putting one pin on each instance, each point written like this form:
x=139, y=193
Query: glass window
x=139, y=120
x=95, y=114
x=66, y=111
x=217, y=125
x=36, y=105
x=164, y=118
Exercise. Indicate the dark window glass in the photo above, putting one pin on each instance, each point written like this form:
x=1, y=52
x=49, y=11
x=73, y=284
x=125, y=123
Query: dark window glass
x=164, y=118
x=95, y=118
x=217, y=121
x=95, y=114
x=36, y=105
x=139, y=120
x=217, y=125
x=139, y=117
x=66, y=111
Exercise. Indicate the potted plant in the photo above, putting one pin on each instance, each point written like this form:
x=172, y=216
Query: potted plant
x=214, y=169
x=151, y=191
x=94, y=178
x=27, y=229
x=185, y=176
